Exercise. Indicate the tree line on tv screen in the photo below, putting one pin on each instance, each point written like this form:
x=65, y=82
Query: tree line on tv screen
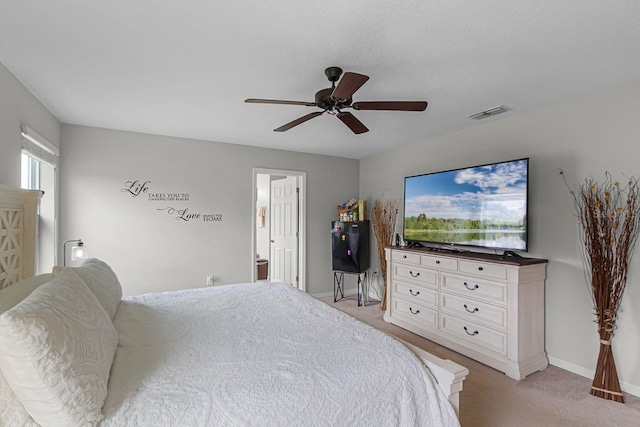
x=421, y=222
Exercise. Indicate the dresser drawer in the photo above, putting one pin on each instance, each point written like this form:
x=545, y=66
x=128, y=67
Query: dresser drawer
x=475, y=311
x=413, y=293
x=406, y=257
x=480, y=336
x=415, y=274
x=493, y=292
x=493, y=271
x=439, y=262
x=415, y=313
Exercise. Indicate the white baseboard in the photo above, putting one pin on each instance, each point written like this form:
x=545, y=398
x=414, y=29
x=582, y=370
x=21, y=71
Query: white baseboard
x=588, y=373
x=583, y=372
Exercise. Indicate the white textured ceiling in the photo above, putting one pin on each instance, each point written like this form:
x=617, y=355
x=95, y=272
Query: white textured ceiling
x=184, y=68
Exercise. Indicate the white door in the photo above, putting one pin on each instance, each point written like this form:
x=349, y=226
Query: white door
x=284, y=231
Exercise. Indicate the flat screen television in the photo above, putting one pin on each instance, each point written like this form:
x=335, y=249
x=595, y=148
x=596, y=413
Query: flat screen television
x=481, y=206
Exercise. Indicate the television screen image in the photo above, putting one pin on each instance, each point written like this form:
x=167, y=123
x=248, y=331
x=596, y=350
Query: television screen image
x=483, y=206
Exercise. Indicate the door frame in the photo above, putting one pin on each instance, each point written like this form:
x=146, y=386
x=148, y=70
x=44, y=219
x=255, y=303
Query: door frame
x=302, y=223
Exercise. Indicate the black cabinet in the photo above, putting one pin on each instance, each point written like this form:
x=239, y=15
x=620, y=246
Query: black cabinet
x=350, y=246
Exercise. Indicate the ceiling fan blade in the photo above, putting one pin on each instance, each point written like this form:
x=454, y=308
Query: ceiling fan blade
x=296, y=122
x=354, y=124
x=391, y=105
x=277, y=101
x=348, y=85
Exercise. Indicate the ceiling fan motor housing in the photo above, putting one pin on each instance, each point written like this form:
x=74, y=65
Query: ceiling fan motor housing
x=323, y=98
x=325, y=101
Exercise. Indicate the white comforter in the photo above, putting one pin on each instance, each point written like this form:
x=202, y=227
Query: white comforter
x=261, y=354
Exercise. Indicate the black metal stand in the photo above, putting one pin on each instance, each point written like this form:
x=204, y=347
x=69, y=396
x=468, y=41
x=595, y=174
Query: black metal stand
x=338, y=286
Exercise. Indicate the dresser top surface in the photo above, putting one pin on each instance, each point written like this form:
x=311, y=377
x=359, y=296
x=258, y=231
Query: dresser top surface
x=474, y=256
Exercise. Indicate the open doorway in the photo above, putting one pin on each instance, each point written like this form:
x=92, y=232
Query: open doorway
x=279, y=230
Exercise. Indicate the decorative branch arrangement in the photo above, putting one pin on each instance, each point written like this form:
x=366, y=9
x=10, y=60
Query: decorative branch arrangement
x=385, y=212
x=609, y=216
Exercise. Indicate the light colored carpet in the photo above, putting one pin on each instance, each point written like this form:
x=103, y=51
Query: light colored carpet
x=553, y=397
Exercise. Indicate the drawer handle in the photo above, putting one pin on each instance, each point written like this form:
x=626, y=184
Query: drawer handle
x=475, y=286
x=416, y=294
x=404, y=256
x=480, y=268
x=414, y=275
x=413, y=312
x=437, y=261
x=471, y=311
x=469, y=333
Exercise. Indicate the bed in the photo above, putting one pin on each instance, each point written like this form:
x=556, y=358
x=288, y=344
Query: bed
x=245, y=354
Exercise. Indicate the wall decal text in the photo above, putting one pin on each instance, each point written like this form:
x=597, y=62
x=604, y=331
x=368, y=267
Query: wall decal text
x=138, y=187
x=169, y=197
x=185, y=215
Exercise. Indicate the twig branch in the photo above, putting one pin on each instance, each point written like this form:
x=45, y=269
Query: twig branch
x=385, y=213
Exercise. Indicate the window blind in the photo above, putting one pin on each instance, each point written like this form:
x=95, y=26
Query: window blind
x=38, y=146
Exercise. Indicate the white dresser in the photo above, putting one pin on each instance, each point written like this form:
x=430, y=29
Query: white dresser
x=489, y=309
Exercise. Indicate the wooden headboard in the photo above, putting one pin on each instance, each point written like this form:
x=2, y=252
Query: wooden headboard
x=18, y=233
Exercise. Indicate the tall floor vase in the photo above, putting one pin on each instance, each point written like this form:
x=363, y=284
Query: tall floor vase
x=385, y=212
x=605, y=381
x=608, y=213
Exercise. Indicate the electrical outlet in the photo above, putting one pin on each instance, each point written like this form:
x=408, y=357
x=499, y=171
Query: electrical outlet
x=210, y=280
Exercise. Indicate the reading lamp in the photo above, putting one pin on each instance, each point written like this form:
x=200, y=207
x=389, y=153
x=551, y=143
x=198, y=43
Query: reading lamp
x=77, y=252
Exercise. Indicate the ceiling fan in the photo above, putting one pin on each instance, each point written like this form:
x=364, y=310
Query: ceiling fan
x=336, y=98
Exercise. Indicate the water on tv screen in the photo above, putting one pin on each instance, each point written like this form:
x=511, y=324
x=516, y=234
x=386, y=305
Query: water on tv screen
x=478, y=206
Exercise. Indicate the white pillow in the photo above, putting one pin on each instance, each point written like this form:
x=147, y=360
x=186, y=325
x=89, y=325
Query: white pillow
x=15, y=293
x=12, y=413
x=56, y=351
x=102, y=281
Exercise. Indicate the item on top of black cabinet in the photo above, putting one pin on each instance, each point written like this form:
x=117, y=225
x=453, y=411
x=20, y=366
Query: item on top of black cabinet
x=346, y=210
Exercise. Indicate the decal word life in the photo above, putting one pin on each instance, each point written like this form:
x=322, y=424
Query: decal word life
x=138, y=187
x=135, y=188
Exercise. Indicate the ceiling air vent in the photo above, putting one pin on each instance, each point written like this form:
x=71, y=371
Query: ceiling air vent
x=488, y=113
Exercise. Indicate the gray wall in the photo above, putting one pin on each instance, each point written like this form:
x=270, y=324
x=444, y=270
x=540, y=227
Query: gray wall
x=18, y=106
x=149, y=249
x=584, y=137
